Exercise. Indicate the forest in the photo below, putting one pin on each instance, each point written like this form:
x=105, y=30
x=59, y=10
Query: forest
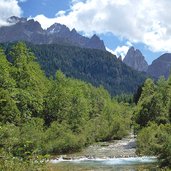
x=42, y=116
x=152, y=117
x=90, y=65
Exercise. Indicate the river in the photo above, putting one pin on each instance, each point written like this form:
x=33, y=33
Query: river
x=117, y=164
x=117, y=155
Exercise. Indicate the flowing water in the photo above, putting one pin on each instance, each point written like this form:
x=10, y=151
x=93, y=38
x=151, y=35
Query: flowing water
x=118, y=155
x=115, y=164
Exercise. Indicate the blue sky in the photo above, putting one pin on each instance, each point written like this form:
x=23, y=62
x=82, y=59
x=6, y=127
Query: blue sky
x=47, y=7
x=120, y=24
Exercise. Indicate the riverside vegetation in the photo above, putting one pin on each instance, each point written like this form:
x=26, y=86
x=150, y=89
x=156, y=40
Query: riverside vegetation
x=41, y=117
x=152, y=120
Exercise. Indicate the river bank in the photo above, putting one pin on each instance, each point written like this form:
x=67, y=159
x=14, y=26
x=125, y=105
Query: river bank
x=116, y=155
x=124, y=148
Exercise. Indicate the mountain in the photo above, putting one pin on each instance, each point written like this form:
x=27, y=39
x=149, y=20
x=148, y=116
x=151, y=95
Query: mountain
x=120, y=58
x=135, y=60
x=31, y=31
x=161, y=66
x=90, y=65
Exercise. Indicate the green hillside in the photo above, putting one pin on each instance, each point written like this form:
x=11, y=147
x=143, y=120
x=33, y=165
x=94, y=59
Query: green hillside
x=94, y=66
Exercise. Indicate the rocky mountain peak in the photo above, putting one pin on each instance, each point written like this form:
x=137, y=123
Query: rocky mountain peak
x=160, y=66
x=29, y=30
x=95, y=38
x=135, y=60
x=58, y=29
x=33, y=26
x=96, y=43
x=120, y=58
x=14, y=20
x=74, y=31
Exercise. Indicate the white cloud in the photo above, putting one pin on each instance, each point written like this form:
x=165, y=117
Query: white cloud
x=44, y=21
x=8, y=8
x=129, y=44
x=138, y=21
x=121, y=51
x=111, y=51
x=60, y=13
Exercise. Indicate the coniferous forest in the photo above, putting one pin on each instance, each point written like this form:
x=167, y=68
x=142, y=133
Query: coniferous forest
x=43, y=116
x=90, y=65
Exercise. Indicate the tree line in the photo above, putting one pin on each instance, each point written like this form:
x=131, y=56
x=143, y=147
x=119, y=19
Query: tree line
x=152, y=120
x=90, y=65
x=41, y=115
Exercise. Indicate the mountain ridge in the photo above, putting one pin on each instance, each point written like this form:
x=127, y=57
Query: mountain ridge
x=23, y=29
x=160, y=66
x=31, y=31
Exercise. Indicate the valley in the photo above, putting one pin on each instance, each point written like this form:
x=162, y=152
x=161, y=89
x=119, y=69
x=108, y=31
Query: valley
x=64, y=96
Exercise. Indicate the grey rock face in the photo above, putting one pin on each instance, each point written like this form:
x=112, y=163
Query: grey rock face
x=161, y=66
x=14, y=20
x=31, y=31
x=95, y=43
x=22, y=29
x=135, y=60
x=120, y=58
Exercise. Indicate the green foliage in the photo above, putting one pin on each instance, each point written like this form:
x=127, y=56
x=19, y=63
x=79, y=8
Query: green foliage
x=155, y=140
x=61, y=139
x=19, y=147
x=85, y=110
x=6, y=82
x=31, y=82
x=94, y=66
x=31, y=138
x=165, y=154
x=8, y=108
x=125, y=98
x=40, y=116
x=152, y=120
x=153, y=103
x=137, y=95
